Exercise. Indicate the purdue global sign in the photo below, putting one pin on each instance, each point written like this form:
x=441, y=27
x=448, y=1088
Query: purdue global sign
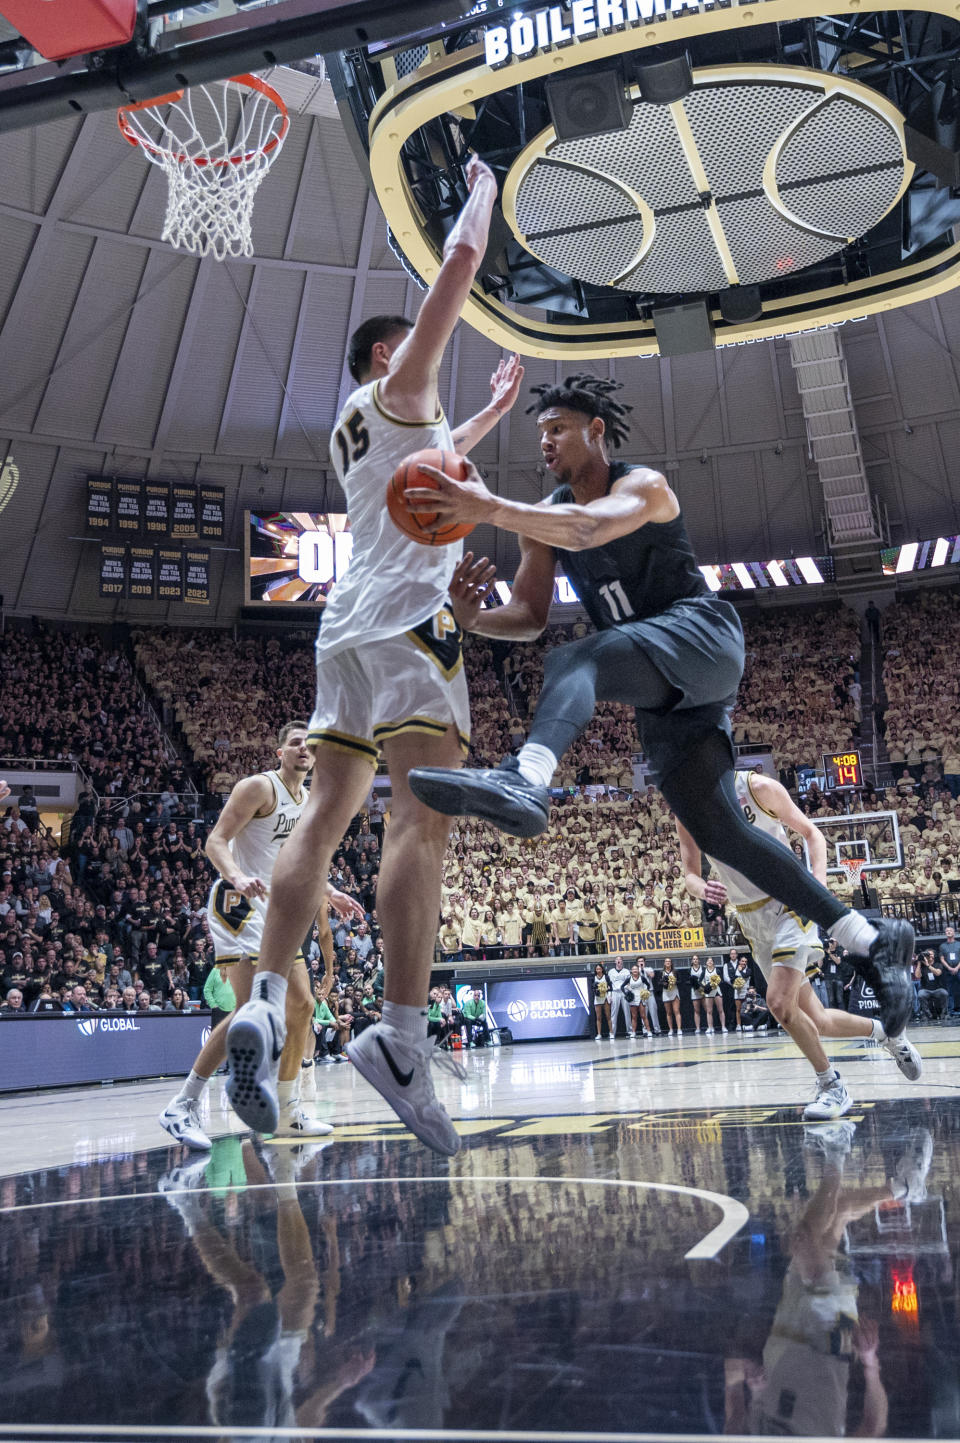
x=554, y=27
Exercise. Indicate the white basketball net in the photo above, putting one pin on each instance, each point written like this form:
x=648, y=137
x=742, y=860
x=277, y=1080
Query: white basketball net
x=215, y=143
x=853, y=866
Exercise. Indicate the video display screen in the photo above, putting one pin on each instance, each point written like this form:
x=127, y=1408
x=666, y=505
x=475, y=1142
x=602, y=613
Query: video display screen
x=539, y=1008
x=920, y=555
x=294, y=557
x=760, y=575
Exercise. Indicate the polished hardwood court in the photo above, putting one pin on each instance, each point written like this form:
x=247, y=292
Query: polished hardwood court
x=635, y=1240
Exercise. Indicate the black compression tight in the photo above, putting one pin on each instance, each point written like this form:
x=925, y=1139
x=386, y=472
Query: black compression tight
x=609, y=666
x=702, y=795
x=606, y=666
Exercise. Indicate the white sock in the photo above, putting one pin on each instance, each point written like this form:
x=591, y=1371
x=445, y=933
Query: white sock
x=192, y=1089
x=287, y=1093
x=537, y=763
x=855, y=933
x=877, y=1033
x=270, y=987
x=410, y=1021
x=824, y=1079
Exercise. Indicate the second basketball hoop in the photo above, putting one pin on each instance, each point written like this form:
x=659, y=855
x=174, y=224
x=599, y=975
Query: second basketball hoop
x=215, y=143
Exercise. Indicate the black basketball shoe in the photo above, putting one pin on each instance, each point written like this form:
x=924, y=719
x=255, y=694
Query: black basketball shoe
x=498, y=795
x=886, y=970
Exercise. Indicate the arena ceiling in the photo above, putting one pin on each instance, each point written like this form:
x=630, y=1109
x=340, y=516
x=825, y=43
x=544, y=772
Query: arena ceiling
x=122, y=356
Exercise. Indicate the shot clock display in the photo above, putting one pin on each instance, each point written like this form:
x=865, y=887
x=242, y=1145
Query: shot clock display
x=842, y=769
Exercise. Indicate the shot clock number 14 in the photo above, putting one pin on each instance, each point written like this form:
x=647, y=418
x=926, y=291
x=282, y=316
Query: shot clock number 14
x=842, y=769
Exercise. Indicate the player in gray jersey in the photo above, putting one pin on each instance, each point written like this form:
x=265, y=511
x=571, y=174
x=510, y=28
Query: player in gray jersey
x=260, y=814
x=663, y=645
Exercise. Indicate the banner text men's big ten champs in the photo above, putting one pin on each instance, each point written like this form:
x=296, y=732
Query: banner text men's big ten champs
x=670, y=939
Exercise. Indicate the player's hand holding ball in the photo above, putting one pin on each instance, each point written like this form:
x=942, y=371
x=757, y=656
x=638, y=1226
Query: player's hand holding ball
x=415, y=494
x=444, y=501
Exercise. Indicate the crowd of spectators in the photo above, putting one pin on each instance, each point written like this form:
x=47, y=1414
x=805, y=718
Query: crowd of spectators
x=69, y=696
x=223, y=696
x=129, y=886
x=800, y=692
x=921, y=718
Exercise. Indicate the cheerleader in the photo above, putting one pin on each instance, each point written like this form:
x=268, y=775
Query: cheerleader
x=638, y=1006
x=671, y=997
x=696, y=989
x=601, y=998
x=712, y=998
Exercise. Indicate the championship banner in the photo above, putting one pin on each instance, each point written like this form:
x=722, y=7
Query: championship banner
x=156, y=512
x=183, y=515
x=212, y=513
x=129, y=506
x=169, y=574
x=113, y=570
x=670, y=939
x=196, y=560
x=143, y=573
x=99, y=504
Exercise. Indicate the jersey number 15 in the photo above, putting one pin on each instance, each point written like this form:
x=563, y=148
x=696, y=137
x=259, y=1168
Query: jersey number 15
x=353, y=439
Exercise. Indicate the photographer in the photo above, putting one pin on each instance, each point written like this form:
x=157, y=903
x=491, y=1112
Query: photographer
x=754, y=1011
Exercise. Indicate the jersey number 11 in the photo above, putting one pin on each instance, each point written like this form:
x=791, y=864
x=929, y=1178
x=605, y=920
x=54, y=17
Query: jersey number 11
x=618, y=603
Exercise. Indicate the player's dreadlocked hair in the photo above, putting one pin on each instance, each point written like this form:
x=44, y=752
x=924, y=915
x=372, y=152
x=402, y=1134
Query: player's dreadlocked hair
x=593, y=396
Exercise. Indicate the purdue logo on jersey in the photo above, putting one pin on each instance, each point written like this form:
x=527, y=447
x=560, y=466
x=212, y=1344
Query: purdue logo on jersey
x=441, y=638
x=230, y=907
x=283, y=826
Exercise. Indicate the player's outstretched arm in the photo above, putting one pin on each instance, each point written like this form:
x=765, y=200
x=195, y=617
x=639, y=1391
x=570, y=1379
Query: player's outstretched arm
x=410, y=386
x=525, y=614
x=776, y=799
x=504, y=390
x=249, y=796
x=639, y=497
x=704, y=889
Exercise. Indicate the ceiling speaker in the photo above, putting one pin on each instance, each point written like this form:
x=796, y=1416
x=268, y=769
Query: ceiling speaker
x=683, y=329
x=933, y=157
x=665, y=81
x=588, y=104
x=740, y=305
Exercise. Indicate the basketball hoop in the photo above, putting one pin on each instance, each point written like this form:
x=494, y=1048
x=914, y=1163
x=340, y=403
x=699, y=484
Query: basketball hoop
x=853, y=866
x=215, y=143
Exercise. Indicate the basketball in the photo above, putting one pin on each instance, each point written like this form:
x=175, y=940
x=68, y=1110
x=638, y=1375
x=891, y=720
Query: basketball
x=422, y=526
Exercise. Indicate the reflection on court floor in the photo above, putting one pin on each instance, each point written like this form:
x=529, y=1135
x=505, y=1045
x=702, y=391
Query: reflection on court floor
x=653, y=1271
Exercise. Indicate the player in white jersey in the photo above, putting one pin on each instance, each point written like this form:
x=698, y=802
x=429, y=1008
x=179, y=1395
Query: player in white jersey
x=390, y=676
x=787, y=948
x=260, y=814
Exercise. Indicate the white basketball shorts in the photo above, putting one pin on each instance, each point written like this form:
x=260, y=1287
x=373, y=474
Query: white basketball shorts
x=778, y=938
x=413, y=682
x=236, y=923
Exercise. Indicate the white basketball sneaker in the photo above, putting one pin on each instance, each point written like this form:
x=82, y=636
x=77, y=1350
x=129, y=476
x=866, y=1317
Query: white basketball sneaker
x=905, y=1055
x=909, y=1181
x=181, y=1118
x=255, y=1041
x=295, y=1121
x=833, y=1139
x=832, y=1101
x=399, y=1068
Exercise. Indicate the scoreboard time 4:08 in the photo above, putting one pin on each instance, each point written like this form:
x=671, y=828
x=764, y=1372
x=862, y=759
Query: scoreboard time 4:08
x=842, y=769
